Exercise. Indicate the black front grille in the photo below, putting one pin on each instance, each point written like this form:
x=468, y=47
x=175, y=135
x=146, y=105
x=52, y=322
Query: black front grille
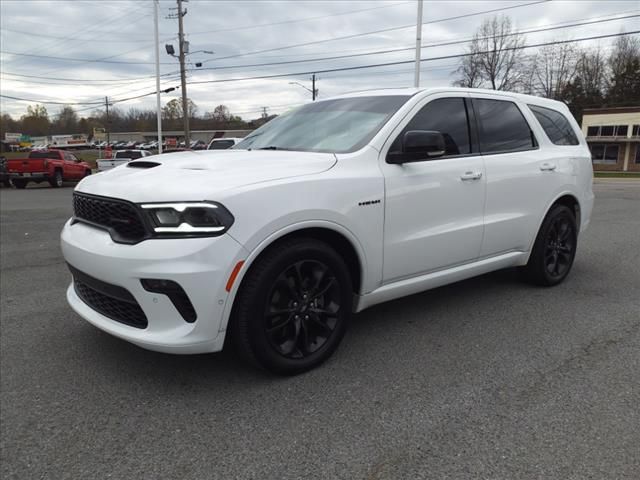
x=121, y=218
x=112, y=301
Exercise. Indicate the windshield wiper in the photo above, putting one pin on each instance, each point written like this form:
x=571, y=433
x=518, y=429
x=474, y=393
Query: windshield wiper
x=271, y=147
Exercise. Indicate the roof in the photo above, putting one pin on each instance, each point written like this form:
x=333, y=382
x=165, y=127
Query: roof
x=413, y=91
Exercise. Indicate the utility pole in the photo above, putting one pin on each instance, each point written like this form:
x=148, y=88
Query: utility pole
x=418, y=44
x=314, y=91
x=264, y=112
x=157, y=52
x=183, y=78
x=106, y=103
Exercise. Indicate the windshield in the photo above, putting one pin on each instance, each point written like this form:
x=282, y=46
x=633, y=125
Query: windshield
x=334, y=126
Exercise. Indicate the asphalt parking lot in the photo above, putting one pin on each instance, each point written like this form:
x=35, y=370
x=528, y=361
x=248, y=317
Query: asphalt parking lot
x=489, y=378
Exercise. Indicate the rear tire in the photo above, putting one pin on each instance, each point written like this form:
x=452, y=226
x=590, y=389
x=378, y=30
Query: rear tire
x=293, y=307
x=20, y=184
x=554, y=249
x=56, y=181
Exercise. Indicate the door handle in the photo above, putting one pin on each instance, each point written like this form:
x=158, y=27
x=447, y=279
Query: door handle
x=471, y=176
x=548, y=167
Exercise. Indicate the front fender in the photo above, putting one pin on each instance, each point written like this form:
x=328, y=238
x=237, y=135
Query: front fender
x=260, y=246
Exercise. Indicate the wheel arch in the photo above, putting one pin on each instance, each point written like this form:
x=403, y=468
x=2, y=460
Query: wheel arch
x=566, y=198
x=570, y=201
x=335, y=235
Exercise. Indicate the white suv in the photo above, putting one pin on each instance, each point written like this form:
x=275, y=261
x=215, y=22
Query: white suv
x=324, y=211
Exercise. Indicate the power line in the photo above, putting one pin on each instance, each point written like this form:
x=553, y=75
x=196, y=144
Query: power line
x=432, y=45
x=57, y=43
x=98, y=84
x=49, y=102
x=118, y=100
x=543, y=28
x=89, y=60
x=404, y=62
x=385, y=30
x=285, y=22
x=93, y=40
x=82, y=80
x=379, y=52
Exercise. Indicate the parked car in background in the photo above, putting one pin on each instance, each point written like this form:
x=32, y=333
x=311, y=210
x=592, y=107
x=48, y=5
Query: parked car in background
x=223, y=143
x=53, y=166
x=327, y=210
x=149, y=146
x=4, y=174
x=120, y=158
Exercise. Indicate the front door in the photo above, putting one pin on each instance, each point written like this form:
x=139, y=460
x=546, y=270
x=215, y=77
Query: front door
x=434, y=208
x=73, y=167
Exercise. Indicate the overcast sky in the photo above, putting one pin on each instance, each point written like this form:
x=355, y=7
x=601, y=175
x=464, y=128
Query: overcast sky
x=89, y=49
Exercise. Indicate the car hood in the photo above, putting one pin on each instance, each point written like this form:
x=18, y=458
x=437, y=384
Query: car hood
x=201, y=175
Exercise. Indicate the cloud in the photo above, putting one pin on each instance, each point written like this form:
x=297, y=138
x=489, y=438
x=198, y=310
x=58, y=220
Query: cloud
x=122, y=31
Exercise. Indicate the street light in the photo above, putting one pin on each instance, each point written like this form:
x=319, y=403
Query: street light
x=301, y=85
x=313, y=90
x=184, y=52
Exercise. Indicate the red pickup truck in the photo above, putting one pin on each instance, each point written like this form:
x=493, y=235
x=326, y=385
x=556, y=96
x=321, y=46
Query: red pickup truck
x=53, y=166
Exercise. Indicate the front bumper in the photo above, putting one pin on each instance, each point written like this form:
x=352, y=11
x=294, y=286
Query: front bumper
x=201, y=266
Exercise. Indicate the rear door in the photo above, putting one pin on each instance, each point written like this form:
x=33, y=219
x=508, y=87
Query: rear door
x=522, y=176
x=434, y=208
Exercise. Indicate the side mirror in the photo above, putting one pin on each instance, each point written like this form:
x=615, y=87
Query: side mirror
x=417, y=146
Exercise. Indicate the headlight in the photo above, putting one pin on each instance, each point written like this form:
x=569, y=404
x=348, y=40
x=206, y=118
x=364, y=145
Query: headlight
x=188, y=218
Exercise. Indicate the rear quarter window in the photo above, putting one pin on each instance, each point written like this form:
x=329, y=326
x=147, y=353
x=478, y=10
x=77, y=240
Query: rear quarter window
x=503, y=128
x=555, y=125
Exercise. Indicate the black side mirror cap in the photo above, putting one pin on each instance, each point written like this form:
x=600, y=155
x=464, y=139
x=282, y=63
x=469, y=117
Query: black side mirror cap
x=417, y=146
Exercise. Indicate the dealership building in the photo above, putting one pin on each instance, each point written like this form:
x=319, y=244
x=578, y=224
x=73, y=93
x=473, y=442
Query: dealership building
x=613, y=135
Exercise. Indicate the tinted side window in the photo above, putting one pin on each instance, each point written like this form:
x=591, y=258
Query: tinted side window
x=447, y=116
x=502, y=127
x=555, y=125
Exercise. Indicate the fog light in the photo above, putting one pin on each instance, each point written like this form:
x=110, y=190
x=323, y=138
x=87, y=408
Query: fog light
x=175, y=293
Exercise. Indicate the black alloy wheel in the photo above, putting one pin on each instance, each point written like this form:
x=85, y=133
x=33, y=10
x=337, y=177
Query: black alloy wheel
x=559, y=247
x=293, y=306
x=302, y=309
x=554, y=249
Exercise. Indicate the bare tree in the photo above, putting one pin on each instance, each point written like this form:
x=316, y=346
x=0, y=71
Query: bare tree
x=592, y=69
x=623, y=85
x=554, y=67
x=496, y=57
x=468, y=72
x=626, y=49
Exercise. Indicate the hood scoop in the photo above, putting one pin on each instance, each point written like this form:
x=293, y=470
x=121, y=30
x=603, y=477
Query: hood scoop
x=143, y=164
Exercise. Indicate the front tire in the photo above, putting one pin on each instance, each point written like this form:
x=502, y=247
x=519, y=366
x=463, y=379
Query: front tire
x=554, y=249
x=293, y=307
x=56, y=181
x=19, y=184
